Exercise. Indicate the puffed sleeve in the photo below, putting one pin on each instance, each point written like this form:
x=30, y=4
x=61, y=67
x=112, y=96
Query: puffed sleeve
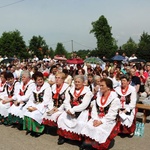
x=47, y=100
x=16, y=90
x=112, y=111
x=133, y=100
x=28, y=93
x=67, y=100
x=85, y=103
x=94, y=114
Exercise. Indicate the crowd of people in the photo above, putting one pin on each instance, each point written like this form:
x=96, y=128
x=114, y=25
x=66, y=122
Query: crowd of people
x=90, y=104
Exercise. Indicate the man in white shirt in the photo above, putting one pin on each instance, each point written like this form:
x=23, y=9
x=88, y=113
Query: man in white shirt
x=132, y=57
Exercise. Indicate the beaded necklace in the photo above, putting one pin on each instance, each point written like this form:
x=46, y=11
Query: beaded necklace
x=104, y=100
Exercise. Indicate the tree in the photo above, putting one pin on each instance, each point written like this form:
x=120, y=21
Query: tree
x=38, y=47
x=106, y=45
x=51, y=52
x=144, y=46
x=60, y=50
x=83, y=53
x=12, y=43
x=130, y=47
x=94, y=53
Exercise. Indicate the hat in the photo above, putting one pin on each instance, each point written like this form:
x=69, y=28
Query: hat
x=46, y=74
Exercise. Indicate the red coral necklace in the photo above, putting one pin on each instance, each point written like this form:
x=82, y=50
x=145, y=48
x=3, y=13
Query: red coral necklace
x=104, y=100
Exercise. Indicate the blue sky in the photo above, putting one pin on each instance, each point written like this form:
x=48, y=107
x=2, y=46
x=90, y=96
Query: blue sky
x=66, y=20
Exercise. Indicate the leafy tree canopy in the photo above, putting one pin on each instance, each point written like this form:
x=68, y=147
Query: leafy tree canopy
x=106, y=44
x=60, y=50
x=38, y=46
x=144, y=46
x=12, y=43
x=83, y=53
x=130, y=47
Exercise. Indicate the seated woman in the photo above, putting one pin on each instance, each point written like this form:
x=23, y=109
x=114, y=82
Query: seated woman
x=2, y=83
x=9, y=95
x=68, y=77
x=128, y=97
x=98, y=131
x=16, y=111
x=36, y=106
x=95, y=87
x=73, y=119
x=58, y=96
x=90, y=81
x=144, y=95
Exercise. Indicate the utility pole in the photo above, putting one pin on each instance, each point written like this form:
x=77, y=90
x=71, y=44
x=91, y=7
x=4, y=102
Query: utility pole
x=72, y=45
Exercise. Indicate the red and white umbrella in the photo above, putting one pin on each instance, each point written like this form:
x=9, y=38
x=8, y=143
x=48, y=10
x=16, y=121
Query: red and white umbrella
x=60, y=58
x=75, y=61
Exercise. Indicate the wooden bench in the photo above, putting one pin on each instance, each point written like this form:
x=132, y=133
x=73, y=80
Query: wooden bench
x=145, y=108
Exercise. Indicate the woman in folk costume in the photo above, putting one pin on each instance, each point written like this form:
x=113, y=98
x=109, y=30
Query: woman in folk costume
x=2, y=83
x=76, y=114
x=11, y=90
x=95, y=88
x=128, y=97
x=96, y=85
x=93, y=83
x=58, y=96
x=98, y=131
x=36, y=106
x=16, y=111
x=90, y=81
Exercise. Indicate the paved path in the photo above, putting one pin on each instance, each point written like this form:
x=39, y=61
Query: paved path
x=14, y=139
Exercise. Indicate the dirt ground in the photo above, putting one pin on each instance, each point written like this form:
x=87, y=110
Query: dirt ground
x=14, y=139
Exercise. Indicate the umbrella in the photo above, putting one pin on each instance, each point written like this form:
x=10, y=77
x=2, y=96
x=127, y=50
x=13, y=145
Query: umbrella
x=60, y=58
x=106, y=60
x=8, y=60
x=75, y=61
x=93, y=60
x=117, y=58
x=137, y=60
